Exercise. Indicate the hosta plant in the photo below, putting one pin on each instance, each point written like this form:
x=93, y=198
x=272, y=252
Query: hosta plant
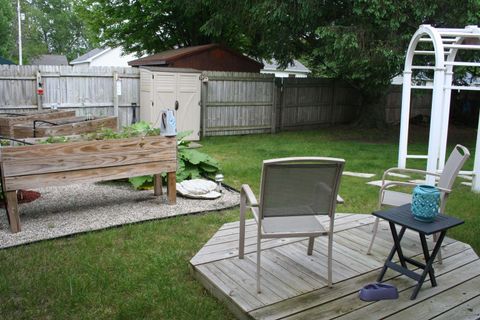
x=192, y=164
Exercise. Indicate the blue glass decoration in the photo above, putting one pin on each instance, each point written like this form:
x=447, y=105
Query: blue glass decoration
x=425, y=203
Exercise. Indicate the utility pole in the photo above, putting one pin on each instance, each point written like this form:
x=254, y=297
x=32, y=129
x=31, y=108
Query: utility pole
x=20, y=58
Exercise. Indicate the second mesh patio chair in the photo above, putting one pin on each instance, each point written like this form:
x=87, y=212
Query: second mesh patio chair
x=455, y=162
x=293, y=193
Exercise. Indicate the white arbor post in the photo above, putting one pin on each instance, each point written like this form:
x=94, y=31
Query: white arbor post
x=404, y=122
x=447, y=95
x=446, y=43
x=476, y=165
x=435, y=124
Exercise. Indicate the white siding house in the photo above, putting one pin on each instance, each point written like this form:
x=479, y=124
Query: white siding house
x=104, y=57
x=295, y=69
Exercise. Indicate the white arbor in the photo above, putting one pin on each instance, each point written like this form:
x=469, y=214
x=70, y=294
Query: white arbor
x=441, y=45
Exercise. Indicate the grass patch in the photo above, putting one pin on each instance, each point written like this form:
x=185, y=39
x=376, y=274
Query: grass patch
x=141, y=271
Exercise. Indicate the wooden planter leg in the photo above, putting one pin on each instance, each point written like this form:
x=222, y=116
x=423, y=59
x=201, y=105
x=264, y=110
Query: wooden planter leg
x=172, y=187
x=157, y=184
x=12, y=211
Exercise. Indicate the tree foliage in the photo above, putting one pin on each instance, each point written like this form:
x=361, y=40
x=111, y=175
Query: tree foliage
x=54, y=27
x=152, y=26
x=360, y=41
x=7, y=44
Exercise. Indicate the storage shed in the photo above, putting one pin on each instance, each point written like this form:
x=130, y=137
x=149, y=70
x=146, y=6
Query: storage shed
x=171, y=88
x=210, y=57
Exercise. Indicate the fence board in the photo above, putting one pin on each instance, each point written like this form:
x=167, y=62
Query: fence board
x=238, y=103
x=86, y=90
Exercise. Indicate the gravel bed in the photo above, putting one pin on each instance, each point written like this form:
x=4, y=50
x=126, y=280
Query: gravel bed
x=67, y=210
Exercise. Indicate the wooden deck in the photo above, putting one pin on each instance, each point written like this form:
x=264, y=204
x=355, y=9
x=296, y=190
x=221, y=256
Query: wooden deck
x=294, y=284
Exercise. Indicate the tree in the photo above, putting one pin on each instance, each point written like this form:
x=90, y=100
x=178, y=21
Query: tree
x=360, y=41
x=53, y=27
x=151, y=26
x=6, y=22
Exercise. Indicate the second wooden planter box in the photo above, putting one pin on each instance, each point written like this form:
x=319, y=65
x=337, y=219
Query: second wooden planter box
x=63, y=127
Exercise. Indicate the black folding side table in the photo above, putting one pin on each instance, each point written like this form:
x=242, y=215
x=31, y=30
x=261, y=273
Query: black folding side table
x=403, y=217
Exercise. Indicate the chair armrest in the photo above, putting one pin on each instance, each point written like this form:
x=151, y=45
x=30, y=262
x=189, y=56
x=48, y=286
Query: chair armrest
x=246, y=191
x=248, y=198
x=408, y=184
x=409, y=170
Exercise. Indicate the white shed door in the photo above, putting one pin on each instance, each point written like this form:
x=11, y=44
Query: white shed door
x=188, y=104
x=146, y=95
x=164, y=84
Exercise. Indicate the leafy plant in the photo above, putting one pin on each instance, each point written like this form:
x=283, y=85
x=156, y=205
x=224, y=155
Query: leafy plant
x=59, y=139
x=141, y=182
x=138, y=129
x=192, y=164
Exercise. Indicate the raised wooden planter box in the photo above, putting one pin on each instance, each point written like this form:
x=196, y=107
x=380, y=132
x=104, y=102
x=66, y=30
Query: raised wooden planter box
x=9, y=120
x=63, y=127
x=36, y=166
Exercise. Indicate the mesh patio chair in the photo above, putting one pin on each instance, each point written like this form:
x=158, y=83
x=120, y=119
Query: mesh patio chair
x=293, y=193
x=387, y=197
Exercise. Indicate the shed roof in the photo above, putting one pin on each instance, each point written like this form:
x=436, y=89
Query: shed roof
x=50, y=60
x=167, y=69
x=169, y=56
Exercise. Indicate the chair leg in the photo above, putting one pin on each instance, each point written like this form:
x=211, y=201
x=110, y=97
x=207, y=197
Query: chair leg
x=241, y=242
x=439, y=255
x=330, y=250
x=259, y=243
x=311, y=241
x=374, y=231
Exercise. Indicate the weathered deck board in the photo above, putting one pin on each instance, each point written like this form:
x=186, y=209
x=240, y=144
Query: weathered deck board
x=446, y=282
x=226, y=243
x=294, y=284
x=469, y=310
x=325, y=295
x=441, y=302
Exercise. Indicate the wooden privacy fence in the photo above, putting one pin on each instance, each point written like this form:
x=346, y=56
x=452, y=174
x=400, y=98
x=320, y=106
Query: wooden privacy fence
x=245, y=103
x=309, y=103
x=421, y=104
x=237, y=103
x=232, y=102
x=99, y=91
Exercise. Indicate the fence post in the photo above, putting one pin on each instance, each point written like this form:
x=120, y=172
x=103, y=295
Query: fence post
x=115, y=97
x=204, y=99
x=39, y=97
x=282, y=103
x=274, y=113
x=334, y=102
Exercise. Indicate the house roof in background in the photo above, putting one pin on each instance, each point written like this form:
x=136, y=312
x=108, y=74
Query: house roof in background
x=50, y=60
x=87, y=57
x=166, y=57
x=5, y=61
x=295, y=66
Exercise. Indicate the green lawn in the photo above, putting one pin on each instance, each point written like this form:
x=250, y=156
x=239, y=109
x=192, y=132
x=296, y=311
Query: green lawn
x=141, y=271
